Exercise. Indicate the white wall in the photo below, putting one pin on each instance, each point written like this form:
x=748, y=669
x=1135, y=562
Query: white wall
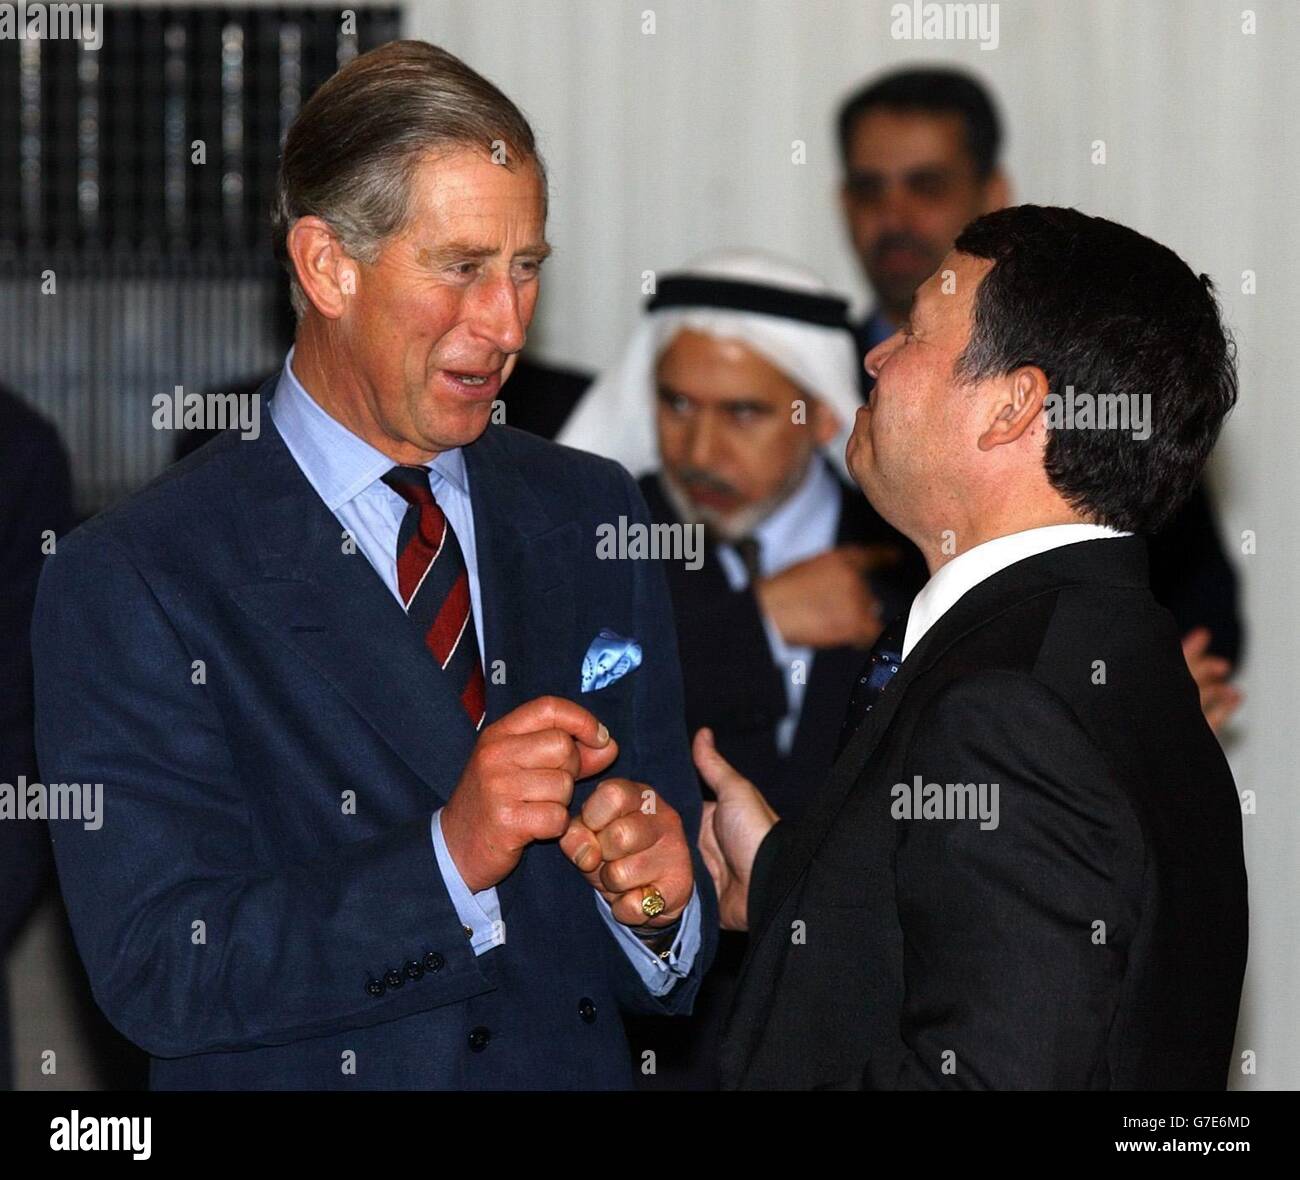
x=664, y=145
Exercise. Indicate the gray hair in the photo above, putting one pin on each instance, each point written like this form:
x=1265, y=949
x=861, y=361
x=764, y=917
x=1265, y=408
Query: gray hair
x=350, y=153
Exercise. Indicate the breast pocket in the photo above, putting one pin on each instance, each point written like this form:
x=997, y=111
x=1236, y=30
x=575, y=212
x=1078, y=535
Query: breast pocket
x=610, y=704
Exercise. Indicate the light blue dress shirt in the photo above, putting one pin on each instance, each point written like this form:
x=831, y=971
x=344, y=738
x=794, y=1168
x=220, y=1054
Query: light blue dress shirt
x=345, y=470
x=802, y=527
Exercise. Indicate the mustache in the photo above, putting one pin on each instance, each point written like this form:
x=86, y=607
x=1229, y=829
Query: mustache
x=696, y=478
x=904, y=241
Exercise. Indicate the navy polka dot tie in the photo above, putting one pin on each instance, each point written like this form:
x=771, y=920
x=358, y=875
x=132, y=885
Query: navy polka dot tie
x=876, y=676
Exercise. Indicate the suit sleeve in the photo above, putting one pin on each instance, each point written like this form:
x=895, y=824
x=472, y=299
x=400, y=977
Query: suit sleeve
x=1014, y=935
x=194, y=941
x=661, y=758
x=759, y=900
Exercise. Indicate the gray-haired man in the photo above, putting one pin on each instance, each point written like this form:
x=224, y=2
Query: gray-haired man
x=329, y=676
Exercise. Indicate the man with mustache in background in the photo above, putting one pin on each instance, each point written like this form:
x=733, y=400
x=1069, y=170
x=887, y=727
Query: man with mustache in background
x=735, y=396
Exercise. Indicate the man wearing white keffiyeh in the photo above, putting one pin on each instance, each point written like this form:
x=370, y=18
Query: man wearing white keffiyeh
x=732, y=402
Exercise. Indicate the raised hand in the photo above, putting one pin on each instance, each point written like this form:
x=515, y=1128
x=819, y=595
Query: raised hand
x=731, y=830
x=517, y=785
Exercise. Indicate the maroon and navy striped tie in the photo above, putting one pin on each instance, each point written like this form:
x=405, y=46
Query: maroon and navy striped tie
x=434, y=585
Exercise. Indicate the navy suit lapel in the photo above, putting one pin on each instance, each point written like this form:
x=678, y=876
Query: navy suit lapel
x=527, y=564
x=527, y=568
x=335, y=611
x=331, y=606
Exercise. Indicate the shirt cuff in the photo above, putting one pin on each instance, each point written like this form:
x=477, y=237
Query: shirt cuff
x=659, y=973
x=479, y=913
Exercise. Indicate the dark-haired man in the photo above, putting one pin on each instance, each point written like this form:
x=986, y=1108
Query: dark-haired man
x=1025, y=870
x=921, y=150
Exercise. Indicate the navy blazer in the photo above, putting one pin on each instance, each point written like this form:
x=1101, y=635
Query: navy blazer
x=234, y=910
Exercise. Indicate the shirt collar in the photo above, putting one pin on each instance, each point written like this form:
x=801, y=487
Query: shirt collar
x=967, y=570
x=339, y=464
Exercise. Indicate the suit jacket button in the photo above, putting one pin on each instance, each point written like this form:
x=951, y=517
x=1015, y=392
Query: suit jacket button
x=375, y=987
x=587, y=1010
x=478, y=1038
x=393, y=977
x=414, y=969
x=433, y=961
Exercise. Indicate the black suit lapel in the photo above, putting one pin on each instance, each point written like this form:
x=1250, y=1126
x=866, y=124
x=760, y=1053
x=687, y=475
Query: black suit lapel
x=1119, y=561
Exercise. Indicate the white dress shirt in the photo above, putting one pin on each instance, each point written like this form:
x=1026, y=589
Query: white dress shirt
x=967, y=570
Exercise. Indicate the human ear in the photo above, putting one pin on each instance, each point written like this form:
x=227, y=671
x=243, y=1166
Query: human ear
x=326, y=272
x=1018, y=400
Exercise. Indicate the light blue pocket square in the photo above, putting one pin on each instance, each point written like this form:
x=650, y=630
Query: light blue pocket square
x=610, y=657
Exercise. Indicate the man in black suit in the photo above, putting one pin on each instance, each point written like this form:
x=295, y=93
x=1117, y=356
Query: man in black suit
x=920, y=150
x=1025, y=869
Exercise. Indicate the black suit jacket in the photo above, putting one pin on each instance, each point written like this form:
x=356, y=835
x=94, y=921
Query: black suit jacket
x=731, y=682
x=1094, y=939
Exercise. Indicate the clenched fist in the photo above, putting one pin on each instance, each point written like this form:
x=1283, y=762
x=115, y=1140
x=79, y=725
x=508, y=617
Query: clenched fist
x=627, y=838
x=517, y=785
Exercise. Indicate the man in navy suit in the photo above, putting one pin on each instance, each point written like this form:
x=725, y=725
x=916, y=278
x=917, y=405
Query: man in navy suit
x=358, y=831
